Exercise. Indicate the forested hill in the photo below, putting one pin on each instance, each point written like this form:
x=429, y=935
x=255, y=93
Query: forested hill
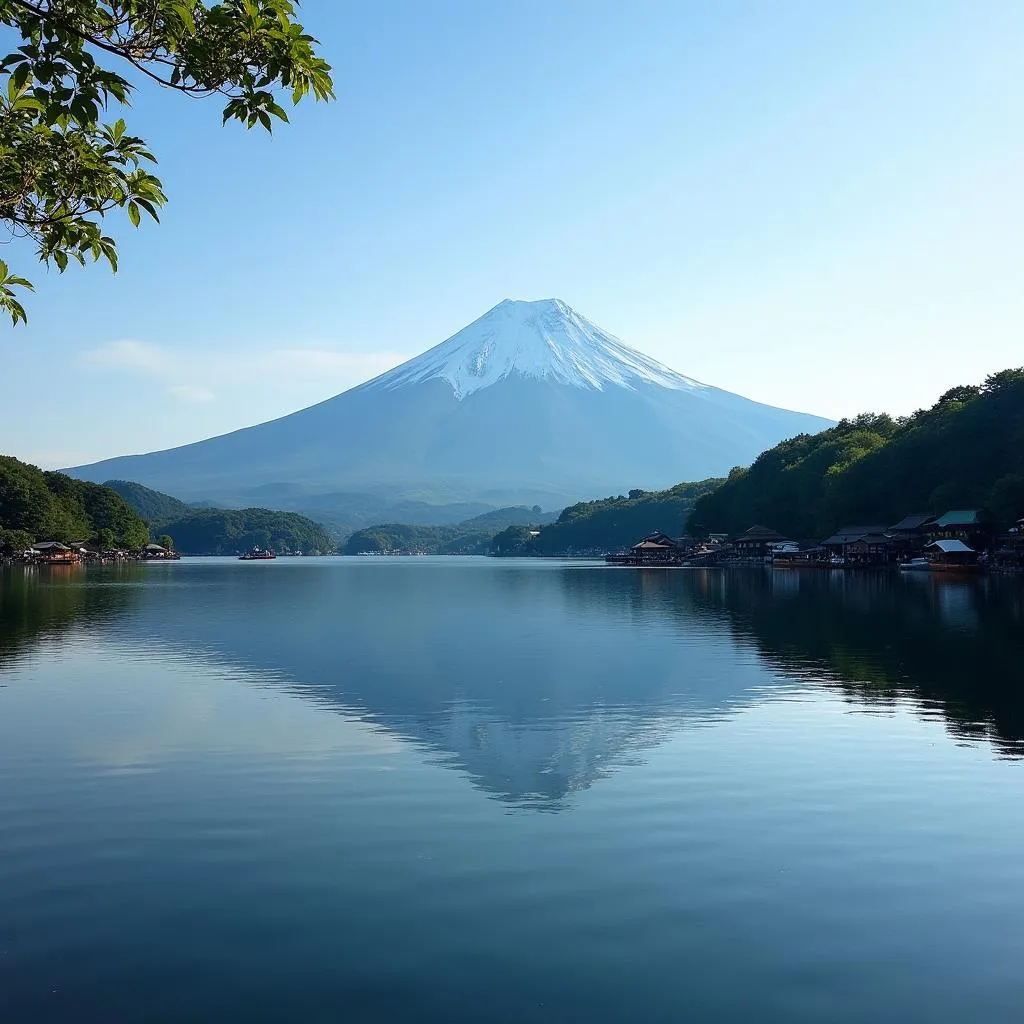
x=216, y=531
x=37, y=506
x=608, y=524
x=511, y=515
x=470, y=537
x=966, y=451
x=430, y=540
x=154, y=506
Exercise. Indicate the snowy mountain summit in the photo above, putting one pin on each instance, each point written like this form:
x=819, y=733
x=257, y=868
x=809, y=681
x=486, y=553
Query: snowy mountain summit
x=543, y=340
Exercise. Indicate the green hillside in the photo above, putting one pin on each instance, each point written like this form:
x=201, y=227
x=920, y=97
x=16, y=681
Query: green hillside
x=512, y=515
x=154, y=506
x=36, y=506
x=966, y=451
x=217, y=531
x=594, y=527
x=431, y=540
x=471, y=537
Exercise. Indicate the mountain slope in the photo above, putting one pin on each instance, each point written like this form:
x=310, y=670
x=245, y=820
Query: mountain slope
x=531, y=403
x=154, y=506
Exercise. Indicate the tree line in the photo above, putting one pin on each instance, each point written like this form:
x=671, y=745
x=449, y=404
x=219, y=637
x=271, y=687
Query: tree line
x=218, y=531
x=606, y=524
x=966, y=451
x=36, y=506
x=431, y=540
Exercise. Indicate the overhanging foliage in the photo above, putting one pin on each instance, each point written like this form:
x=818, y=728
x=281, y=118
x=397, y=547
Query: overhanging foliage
x=62, y=168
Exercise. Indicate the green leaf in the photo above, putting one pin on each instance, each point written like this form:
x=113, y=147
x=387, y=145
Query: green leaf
x=68, y=170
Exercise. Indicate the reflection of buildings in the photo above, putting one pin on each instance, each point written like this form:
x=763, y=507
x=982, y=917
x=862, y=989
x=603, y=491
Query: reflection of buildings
x=44, y=605
x=957, y=606
x=955, y=646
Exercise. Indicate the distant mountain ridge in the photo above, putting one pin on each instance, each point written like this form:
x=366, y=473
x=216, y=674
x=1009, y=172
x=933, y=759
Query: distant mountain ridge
x=530, y=404
x=471, y=537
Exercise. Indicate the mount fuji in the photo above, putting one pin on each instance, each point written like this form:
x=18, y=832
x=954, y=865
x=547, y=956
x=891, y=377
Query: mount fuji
x=530, y=403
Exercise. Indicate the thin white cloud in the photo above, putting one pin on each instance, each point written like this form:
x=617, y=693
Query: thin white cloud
x=317, y=364
x=128, y=355
x=302, y=367
x=191, y=394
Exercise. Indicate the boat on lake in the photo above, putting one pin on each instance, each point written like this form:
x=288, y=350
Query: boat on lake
x=257, y=554
x=916, y=565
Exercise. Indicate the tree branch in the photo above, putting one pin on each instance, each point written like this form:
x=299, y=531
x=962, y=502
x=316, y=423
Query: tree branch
x=121, y=51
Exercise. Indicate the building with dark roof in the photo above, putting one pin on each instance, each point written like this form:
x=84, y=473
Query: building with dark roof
x=655, y=549
x=914, y=523
x=849, y=534
x=975, y=527
x=910, y=534
x=757, y=542
x=861, y=545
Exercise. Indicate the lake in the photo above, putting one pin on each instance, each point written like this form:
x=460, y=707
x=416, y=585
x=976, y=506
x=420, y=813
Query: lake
x=420, y=789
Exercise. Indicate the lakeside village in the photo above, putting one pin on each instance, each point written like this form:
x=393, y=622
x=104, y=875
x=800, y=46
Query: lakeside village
x=53, y=552
x=960, y=541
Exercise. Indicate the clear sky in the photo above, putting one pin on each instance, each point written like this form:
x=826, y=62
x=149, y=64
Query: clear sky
x=816, y=205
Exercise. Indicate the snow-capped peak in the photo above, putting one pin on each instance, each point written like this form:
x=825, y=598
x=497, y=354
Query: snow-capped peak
x=545, y=339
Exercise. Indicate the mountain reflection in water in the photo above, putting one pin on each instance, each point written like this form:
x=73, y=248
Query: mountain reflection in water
x=535, y=680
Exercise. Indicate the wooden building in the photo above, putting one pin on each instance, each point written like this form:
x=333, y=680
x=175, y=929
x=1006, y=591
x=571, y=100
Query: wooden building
x=798, y=554
x=655, y=549
x=871, y=549
x=975, y=527
x=757, y=542
x=952, y=555
x=1009, y=552
x=910, y=534
x=861, y=546
x=52, y=552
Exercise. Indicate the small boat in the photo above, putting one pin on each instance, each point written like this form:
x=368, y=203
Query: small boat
x=257, y=554
x=916, y=565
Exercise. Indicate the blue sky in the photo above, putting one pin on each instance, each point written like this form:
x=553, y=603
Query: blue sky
x=814, y=205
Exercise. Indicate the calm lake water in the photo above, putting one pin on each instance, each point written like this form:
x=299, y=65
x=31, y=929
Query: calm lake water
x=474, y=790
